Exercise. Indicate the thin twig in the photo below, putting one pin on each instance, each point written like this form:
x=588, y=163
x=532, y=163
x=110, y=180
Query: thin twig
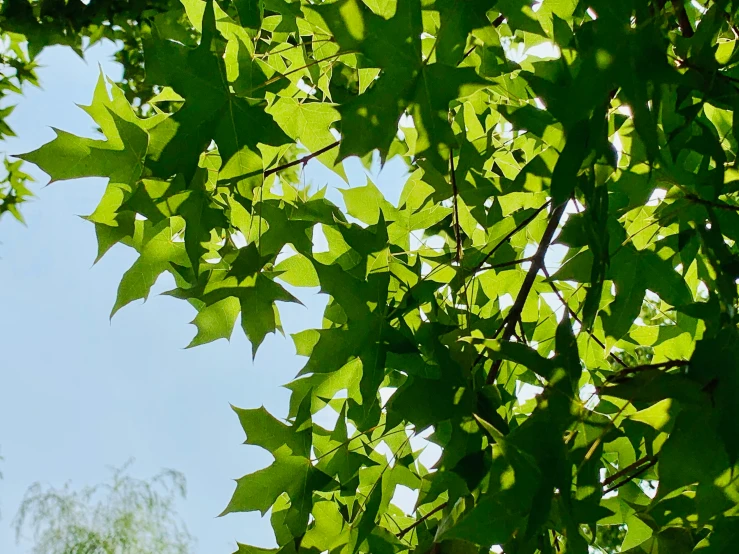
x=508, y=236
x=616, y=476
x=301, y=68
x=632, y=477
x=538, y=262
x=576, y=318
x=647, y=367
x=303, y=160
x=497, y=22
x=420, y=521
x=275, y=52
x=508, y=264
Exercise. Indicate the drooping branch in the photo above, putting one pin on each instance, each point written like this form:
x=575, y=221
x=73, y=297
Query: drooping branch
x=303, y=160
x=537, y=263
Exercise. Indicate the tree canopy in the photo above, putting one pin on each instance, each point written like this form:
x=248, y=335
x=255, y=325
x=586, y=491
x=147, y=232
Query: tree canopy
x=125, y=516
x=604, y=130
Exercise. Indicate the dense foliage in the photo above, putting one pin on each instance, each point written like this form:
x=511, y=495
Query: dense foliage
x=28, y=26
x=125, y=516
x=613, y=138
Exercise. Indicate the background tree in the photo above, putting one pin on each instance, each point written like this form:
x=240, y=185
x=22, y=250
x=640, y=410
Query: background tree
x=613, y=137
x=125, y=516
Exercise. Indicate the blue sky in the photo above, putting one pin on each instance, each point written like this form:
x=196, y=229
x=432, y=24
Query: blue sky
x=79, y=393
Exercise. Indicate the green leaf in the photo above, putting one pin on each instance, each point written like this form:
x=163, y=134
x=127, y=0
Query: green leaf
x=160, y=249
x=210, y=113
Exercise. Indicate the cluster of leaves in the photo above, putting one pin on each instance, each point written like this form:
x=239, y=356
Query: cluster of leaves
x=617, y=142
x=16, y=69
x=28, y=26
x=125, y=516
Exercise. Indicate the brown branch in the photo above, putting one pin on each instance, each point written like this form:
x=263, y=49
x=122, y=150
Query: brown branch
x=616, y=476
x=420, y=521
x=466, y=54
x=576, y=318
x=538, y=262
x=303, y=160
x=455, y=215
x=633, y=476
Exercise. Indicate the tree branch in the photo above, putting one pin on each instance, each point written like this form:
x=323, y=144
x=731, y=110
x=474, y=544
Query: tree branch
x=420, y=521
x=633, y=476
x=579, y=321
x=616, y=476
x=303, y=160
x=682, y=18
x=455, y=193
x=537, y=263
